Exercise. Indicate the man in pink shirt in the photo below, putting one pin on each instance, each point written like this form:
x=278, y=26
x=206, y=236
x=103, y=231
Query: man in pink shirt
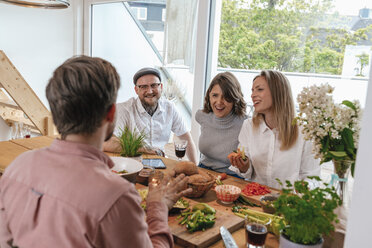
x=66, y=195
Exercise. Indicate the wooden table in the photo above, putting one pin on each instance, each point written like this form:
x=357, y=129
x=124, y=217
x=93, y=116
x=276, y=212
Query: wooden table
x=9, y=150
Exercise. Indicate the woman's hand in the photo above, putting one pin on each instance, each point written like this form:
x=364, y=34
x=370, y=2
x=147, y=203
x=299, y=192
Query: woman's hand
x=239, y=163
x=168, y=191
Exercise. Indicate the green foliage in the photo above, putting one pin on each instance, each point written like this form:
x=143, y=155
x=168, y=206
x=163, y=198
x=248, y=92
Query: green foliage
x=363, y=60
x=283, y=35
x=131, y=141
x=308, y=214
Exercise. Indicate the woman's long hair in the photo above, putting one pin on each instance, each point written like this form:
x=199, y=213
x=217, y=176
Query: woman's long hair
x=231, y=91
x=282, y=107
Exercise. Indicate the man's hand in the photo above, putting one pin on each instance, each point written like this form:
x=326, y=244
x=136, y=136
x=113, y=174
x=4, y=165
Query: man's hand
x=239, y=163
x=112, y=145
x=168, y=191
x=152, y=150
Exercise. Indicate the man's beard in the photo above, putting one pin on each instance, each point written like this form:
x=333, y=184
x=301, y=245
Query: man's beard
x=150, y=109
x=110, y=132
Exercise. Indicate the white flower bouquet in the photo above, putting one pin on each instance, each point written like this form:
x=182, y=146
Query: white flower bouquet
x=333, y=128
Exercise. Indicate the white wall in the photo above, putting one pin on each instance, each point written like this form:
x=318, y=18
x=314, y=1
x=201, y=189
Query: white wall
x=359, y=220
x=36, y=41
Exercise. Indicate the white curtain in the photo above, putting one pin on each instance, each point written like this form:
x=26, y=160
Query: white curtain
x=180, y=30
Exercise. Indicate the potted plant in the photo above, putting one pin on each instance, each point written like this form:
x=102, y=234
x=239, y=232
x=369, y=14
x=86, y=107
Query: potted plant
x=308, y=214
x=131, y=142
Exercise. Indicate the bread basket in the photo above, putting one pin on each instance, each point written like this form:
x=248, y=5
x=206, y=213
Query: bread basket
x=199, y=189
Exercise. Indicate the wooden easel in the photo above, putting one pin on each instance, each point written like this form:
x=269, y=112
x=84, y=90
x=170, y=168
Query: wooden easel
x=19, y=103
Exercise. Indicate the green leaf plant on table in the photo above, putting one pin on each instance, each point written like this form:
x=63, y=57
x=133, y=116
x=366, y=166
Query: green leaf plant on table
x=131, y=142
x=308, y=214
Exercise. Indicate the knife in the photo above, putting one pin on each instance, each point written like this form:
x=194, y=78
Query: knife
x=227, y=238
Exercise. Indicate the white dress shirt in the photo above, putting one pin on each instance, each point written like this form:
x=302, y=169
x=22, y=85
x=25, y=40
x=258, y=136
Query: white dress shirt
x=268, y=162
x=157, y=127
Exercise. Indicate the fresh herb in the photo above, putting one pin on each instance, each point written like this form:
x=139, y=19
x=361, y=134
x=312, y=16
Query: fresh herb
x=131, y=141
x=308, y=214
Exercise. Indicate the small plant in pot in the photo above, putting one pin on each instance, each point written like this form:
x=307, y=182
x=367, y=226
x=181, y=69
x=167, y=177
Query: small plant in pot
x=307, y=214
x=131, y=142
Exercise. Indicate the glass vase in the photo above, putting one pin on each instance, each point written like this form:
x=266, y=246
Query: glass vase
x=339, y=179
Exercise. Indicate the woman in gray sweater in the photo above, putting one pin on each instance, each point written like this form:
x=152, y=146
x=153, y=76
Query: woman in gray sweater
x=221, y=120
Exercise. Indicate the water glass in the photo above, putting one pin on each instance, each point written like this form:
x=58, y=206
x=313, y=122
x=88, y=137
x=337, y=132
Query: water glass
x=21, y=130
x=14, y=131
x=156, y=177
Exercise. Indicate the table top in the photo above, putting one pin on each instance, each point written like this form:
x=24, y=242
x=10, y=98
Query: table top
x=11, y=149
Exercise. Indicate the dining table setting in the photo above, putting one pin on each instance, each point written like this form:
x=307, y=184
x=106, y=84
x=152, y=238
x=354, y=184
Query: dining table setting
x=226, y=221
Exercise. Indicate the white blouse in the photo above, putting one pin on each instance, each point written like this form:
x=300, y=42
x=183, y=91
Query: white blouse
x=268, y=162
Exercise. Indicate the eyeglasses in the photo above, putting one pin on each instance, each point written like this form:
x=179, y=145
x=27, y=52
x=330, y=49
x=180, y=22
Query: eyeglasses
x=154, y=86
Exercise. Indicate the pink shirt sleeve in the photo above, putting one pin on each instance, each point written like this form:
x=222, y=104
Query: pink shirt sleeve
x=124, y=225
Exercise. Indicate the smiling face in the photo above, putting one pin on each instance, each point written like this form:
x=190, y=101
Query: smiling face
x=148, y=89
x=261, y=96
x=219, y=105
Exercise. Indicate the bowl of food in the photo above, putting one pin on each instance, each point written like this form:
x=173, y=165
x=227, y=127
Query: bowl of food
x=267, y=203
x=126, y=167
x=227, y=193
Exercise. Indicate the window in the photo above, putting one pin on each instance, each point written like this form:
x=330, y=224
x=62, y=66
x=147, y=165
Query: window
x=131, y=43
x=163, y=14
x=310, y=42
x=140, y=12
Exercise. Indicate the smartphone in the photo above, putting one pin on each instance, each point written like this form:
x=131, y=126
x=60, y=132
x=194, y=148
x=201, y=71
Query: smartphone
x=156, y=163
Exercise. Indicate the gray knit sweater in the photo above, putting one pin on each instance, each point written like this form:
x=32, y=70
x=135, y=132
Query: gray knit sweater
x=218, y=138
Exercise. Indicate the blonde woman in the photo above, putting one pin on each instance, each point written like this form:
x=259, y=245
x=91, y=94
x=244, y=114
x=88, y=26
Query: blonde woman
x=273, y=144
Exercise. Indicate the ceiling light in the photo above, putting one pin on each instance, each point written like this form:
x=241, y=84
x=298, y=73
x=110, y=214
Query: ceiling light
x=46, y=4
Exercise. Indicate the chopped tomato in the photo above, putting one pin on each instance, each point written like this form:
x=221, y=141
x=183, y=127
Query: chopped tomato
x=255, y=189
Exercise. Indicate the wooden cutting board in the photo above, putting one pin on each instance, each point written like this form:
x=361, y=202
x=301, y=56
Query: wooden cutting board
x=224, y=217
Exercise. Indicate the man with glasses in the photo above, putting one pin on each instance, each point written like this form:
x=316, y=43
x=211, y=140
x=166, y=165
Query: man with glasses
x=151, y=113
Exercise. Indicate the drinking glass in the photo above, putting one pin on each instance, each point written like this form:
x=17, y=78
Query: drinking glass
x=27, y=132
x=180, y=148
x=156, y=177
x=20, y=130
x=256, y=232
x=14, y=131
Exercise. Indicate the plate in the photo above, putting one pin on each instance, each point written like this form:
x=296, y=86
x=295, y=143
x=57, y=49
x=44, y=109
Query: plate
x=128, y=164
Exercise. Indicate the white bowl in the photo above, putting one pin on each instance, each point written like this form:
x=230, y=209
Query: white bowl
x=132, y=166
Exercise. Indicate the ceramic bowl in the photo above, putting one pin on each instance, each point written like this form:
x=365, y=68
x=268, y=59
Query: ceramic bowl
x=227, y=193
x=133, y=167
x=267, y=203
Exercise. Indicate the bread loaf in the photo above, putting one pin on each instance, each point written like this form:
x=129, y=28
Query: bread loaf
x=198, y=178
x=205, y=175
x=186, y=167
